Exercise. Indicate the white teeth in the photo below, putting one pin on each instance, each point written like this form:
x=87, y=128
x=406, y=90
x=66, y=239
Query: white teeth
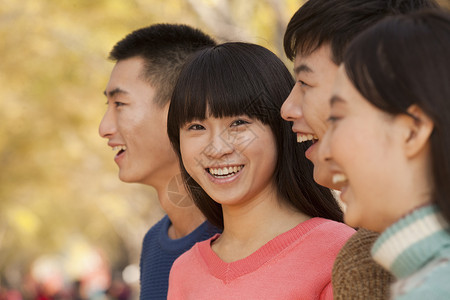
x=306, y=137
x=224, y=171
x=339, y=178
x=121, y=147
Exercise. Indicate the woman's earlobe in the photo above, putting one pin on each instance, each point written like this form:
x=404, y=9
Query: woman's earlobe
x=420, y=127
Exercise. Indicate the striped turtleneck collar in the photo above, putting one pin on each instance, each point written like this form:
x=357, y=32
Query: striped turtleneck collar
x=411, y=242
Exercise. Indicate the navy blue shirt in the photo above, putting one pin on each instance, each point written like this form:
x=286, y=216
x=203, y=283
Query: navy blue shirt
x=159, y=252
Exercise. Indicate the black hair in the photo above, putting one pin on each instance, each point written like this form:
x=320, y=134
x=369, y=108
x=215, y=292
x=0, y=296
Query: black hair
x=164, y=48
x=403, y=61
x=336, y=23
x=233, y=79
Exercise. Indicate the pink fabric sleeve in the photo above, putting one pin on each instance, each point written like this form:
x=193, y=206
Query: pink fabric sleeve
x=327, y=293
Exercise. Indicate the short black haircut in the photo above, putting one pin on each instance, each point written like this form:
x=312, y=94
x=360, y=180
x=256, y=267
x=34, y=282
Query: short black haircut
x=336, y=23
x=164, y=48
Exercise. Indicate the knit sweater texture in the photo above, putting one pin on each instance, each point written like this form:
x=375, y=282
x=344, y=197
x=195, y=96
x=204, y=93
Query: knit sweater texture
x=159, y=252
x=416, y=249
x=294, y=265
x=356, y=275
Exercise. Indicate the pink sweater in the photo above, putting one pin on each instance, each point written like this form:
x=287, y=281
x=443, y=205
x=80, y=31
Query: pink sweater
x=294, y=265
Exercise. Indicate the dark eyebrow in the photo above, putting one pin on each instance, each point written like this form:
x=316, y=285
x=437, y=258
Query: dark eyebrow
x=302, y=68
x=334, y=99
x=114, y=92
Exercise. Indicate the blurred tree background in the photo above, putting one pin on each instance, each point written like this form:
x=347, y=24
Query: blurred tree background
x=62, y=208
x=63, y=211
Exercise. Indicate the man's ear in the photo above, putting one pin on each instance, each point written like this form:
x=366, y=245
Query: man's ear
x=418, y=129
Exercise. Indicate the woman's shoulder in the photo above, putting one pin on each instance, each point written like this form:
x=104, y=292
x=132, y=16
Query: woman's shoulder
x=338, y=229
x=356, y=273
x=323, y=235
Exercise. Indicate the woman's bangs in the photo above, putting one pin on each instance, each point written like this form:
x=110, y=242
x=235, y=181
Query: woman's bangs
x=221, y=88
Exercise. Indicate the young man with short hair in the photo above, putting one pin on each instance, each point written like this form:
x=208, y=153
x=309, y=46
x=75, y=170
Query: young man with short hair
x=315, y=39
x=138, y=93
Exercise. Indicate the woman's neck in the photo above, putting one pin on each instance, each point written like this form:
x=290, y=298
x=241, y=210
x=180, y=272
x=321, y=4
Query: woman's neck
x=249, y=227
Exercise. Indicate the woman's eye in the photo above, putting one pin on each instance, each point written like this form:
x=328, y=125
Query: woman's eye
x=333, y=119
x=239, y=122
x=118, y=104
x=195, y=127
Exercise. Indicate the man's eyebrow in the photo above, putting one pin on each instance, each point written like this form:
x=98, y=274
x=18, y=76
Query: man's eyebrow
x=336, y=99
x=302, y=68
x=114, y=92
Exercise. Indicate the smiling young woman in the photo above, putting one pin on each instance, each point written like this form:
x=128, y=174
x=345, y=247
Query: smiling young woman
x=389, y=142
x=248, y=175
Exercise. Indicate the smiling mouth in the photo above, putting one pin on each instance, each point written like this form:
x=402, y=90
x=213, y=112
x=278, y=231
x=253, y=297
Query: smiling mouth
x=306, y=137
x=340, y=181
x=224, y=172
x=121, y=149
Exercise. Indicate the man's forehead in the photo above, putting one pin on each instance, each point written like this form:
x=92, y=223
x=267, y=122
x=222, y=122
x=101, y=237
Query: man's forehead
x=309, y=62
x=302, y=68
x=303, y=63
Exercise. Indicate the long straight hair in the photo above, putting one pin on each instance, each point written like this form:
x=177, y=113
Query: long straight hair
x=405, y=60
x=233, y=79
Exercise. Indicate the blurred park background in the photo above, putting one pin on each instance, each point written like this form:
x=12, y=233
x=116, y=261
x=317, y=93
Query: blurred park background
x=69, y=229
